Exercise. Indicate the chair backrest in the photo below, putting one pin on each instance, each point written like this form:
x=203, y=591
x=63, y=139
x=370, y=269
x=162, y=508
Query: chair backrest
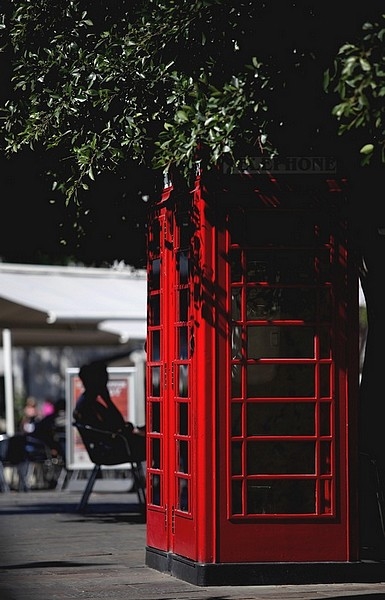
x=36, y=450
x=14, y=448
x=104, y=447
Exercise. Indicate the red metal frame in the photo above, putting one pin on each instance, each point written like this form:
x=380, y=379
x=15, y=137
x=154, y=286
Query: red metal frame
x=222, y=324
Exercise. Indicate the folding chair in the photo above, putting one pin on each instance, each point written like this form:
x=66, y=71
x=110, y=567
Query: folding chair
x=42, y=466
x=107, y=448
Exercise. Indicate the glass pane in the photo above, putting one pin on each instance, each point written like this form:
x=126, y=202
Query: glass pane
x=183, y=456
x=183, y=267
x=286, y=381
x=296, y=303
x=154, y=316
x=155, y=344
x=183, y=381
x=236, y=418
x=155, y=416
x=155, y=381
x=283, y=342
x=258, y=498
x=155, y=487
x=183, y=485
x=288, y=496
x=236, y=497
x=296, y=267
x=236, y=386
x=236, y=298
x=263, y=342
x=236, y=458
x=236, y=266
x=326, y=460
x=325, y=500
x=325, y=380
x=183, y=304
x=236, y=341
x=262, y=304
x=285, y=457
x=280, y=418
x=154, y=278
x=258, y=267
x=325, y=418
x=281, y=303
x=183, y=418
x=182, y=335
x=155, y=453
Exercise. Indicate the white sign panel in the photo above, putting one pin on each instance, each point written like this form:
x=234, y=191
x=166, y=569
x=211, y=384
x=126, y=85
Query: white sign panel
x=121, y=387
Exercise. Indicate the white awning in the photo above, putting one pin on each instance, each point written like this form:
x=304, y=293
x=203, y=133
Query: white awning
x=125, y=329
x=68, y=306
x=46, y=305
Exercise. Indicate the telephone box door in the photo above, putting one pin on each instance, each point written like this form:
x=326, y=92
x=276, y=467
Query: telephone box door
x=171, y=457
x=283, y=410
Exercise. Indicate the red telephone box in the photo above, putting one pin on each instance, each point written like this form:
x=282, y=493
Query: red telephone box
x=252, y=381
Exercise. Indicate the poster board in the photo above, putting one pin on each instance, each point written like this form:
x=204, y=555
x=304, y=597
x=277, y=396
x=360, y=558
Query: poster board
x=121, y=385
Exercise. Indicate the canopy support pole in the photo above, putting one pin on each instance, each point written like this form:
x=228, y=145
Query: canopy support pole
x=8, y=383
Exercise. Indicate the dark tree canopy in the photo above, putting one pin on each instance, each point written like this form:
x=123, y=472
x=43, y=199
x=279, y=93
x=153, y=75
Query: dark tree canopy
x=98, y=100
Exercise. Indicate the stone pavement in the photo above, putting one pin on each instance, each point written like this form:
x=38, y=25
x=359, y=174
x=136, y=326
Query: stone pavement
x=49, y=551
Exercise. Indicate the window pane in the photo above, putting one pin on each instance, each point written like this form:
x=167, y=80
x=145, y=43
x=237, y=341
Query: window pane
x=154, y=316
x=236, y=267
x=183, y=495
x=183, y=267
x=280, y=418
x=325, y=418
x=283, y=342
x=325, y=381
x=155, y=487
x=154, y=279
x=155, y=453
x=283, y=457
x=183, y=456
x=236, y=418
x=236, y=458
x=155, y=416
x=183, y=349
x=155, y=382
x=183, y=381
x=183, y=304
x=183, y=418
x=236, y=384
x=258, y=498
x=281, y=497
x=236, y=497
x=287, y=381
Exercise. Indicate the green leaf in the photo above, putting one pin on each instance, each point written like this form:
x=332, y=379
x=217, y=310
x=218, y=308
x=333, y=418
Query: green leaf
x=181, y=115
x=367, y=149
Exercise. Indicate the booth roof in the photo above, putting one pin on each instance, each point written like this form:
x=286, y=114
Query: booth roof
x=55, y=306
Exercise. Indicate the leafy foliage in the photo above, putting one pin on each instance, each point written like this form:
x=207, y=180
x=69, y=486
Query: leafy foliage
x=358, y=77
x=105, y=87
x=127, y=86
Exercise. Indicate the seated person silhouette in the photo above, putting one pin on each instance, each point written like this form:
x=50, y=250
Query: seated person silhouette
x=95, y=408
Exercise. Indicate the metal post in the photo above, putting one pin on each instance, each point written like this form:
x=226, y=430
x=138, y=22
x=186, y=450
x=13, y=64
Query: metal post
x=8, y=383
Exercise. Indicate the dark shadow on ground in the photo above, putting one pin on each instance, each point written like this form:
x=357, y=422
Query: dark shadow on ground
x=52, y=564
x=92, y=510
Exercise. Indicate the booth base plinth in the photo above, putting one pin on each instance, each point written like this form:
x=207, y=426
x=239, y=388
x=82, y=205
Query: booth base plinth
x=264, y=573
